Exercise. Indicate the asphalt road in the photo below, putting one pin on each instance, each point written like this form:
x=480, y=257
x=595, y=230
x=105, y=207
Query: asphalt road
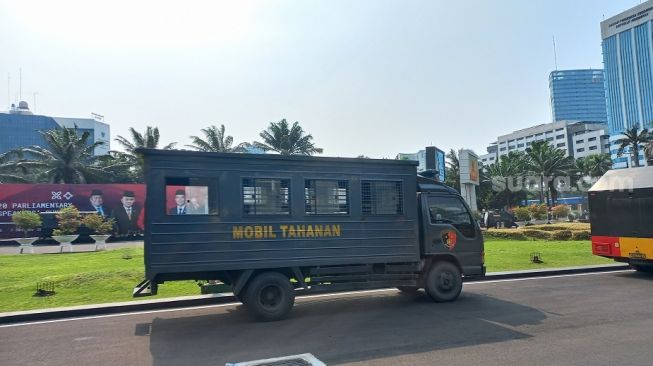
x=592, y=319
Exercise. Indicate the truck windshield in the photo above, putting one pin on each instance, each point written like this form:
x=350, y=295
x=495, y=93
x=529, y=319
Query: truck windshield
x=450, y=210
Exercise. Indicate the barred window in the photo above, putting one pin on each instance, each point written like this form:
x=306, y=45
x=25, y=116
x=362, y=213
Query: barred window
x=327, y=197
x=382, y=198
x=266, y=196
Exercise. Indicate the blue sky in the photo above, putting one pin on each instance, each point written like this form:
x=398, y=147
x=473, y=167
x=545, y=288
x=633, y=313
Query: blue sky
x=363, y=77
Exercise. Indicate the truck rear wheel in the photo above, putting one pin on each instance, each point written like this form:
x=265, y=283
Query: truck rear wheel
x=269, y=296
x=644, y=268
x=443, y=282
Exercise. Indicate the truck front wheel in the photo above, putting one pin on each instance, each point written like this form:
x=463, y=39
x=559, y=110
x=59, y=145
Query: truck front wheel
x=269, y=296
x=443, y=282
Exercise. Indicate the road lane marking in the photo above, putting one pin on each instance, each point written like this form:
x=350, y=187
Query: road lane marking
x=336, y=294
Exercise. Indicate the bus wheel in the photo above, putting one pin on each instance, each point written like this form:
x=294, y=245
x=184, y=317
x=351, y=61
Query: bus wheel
x=409, y=290
x=642, y=268
x=269, y=296
x=443, y=282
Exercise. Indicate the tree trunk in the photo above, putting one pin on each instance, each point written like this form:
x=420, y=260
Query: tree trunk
x=541, y=189
x=636, y=155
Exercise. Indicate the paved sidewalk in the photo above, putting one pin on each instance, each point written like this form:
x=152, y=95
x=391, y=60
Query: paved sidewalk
x=48, y=249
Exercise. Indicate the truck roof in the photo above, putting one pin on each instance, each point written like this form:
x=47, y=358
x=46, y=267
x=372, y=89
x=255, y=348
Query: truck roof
x=274, y=157
x=625, y=179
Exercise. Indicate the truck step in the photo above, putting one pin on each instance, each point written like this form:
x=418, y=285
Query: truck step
x=145, y=288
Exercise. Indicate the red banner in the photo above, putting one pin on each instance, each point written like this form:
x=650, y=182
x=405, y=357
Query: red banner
x=123, y=202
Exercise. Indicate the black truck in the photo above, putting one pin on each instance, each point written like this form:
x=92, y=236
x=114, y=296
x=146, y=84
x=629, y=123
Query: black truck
x=269, y=225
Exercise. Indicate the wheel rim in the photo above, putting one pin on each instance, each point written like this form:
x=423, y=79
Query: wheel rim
x=270, y=297
x=446, y=281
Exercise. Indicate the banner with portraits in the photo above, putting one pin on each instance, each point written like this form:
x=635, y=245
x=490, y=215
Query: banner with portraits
x=123, y=202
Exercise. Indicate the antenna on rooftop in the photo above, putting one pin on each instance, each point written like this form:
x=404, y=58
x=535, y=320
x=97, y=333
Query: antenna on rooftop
x=20, y=84
x=555, y=54
x=34, y=95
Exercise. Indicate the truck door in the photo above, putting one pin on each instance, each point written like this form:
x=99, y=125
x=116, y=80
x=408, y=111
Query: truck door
x=450, y=228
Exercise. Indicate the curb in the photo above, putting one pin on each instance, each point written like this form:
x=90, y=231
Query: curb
x=215, y=299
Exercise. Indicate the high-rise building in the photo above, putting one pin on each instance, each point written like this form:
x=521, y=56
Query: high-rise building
x=577, y=95
x=20, y=128
x=628, y=62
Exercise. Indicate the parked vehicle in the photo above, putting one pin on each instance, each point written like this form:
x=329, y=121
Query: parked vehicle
x=621, y=217
x=268, y=225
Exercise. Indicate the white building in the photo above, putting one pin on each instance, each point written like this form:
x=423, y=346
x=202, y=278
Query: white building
x=578, y=139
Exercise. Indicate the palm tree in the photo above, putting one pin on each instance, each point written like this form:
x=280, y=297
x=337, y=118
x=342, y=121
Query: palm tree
x=547, y=162
x=67, y=158
x=147, y=140
x=633, y=138
x=287, y=140
x=648, y=151
x=452, y=170
x=594, y=165
x=215, y=141
x=9, y=173
x=503, y=173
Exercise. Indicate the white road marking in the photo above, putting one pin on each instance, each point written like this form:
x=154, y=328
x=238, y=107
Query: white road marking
x=302, y=297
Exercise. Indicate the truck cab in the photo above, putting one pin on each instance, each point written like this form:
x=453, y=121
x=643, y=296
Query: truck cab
x=448, y=229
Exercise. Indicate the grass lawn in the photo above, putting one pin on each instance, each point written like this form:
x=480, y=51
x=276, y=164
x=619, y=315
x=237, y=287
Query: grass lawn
x=79, y=278
x=513, y=255
x=110, y=276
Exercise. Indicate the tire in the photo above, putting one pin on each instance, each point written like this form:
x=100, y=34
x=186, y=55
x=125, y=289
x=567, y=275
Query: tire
x=269, y=296
x=408, y=290
x=443, y=282
x=643, y=268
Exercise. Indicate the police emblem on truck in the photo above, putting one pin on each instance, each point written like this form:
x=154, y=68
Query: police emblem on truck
x=285, y=231
x=449, y=239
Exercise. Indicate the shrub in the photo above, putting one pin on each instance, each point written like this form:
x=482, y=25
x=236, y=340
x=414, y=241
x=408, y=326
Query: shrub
x=561, y=235
x=562, y=226
x=511, y=234
x=26, y=220
x=571, y=217
x=580, y=235
x=537, y=234
x=522, y=213
x=68, y=219
x=538, y=212
x=560, y=210
x=98, y=224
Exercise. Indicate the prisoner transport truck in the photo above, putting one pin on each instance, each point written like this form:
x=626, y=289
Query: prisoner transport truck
x=269, y=225
x=621, y=215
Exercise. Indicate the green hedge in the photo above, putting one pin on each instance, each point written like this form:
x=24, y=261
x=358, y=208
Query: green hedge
x=581, y=235
x=537, y=234
x=505, y=234
x=561, y=235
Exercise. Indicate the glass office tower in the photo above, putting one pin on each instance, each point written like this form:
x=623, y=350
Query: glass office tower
x=577, y=95
x=628, y=62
